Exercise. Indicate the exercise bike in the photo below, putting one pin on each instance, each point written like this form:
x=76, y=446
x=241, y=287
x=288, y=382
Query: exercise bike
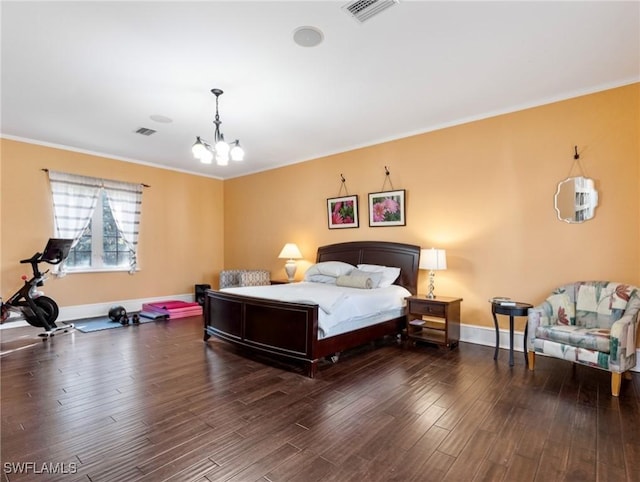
x=39, y=310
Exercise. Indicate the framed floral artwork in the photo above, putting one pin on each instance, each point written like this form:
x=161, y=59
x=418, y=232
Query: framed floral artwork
x=387, y=208
x=343, y=212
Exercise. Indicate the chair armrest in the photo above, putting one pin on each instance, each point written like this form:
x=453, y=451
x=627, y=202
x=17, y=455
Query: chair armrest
x=537, y=316
x=623, y=342
x=628, y=320
x=555, y=310
x=543, y=314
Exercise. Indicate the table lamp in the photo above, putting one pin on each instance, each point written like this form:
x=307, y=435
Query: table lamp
x=432, y=259
x=291, y=253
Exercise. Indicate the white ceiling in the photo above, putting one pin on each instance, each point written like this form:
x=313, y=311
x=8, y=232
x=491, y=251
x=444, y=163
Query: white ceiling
x=86, y=75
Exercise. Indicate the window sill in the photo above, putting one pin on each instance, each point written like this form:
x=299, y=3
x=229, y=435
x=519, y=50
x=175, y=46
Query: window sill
x=99, y=270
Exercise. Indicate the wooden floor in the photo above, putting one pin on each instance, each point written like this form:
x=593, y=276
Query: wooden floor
x=154, y=402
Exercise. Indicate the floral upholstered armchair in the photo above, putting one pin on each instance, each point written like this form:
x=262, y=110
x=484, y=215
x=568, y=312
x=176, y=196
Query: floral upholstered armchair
x=244, y=277
x=593, y=323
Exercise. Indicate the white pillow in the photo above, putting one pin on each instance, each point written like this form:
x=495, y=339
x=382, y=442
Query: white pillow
x=389, y=274
x=320, y=278
x=329, y=268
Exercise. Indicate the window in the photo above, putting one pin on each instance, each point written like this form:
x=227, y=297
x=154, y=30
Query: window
x=101, y=216
x=101, y=245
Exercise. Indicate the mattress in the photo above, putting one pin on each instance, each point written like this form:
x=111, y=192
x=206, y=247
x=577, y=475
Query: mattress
x=356, y=323
x=339, y=306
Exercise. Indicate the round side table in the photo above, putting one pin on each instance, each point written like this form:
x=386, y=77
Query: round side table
x=519, y=309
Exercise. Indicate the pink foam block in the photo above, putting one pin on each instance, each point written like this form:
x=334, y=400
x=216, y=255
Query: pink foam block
x=174, y=308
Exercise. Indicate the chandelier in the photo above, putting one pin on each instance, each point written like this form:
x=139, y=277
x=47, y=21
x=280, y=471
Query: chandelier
x=206, y=151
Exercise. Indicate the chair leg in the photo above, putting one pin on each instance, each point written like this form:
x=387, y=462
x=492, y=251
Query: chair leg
x=532, y=359
x=616, y=379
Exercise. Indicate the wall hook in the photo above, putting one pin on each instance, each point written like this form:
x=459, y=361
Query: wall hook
x=387, y=177
x=576, y=155
x=343, y=186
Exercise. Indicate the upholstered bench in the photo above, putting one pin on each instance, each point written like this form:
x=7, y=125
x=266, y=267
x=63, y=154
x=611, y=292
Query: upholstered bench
x=244, y=277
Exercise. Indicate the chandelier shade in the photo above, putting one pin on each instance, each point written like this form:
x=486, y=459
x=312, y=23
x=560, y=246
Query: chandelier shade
x=220, y=150
x=237, y=152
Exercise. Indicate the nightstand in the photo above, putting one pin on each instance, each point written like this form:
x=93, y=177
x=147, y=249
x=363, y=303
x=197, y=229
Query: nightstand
x=279, y=282
x=434, y=320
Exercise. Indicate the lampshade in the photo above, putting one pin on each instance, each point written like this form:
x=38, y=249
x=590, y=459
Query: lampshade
x=433, y=259
x=206, y=157
x=222, y=148
x=198, y=148
x=290, y=251
x=237, y=153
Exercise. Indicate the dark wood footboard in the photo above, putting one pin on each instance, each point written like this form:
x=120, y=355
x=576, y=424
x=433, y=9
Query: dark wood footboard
x=282, y=329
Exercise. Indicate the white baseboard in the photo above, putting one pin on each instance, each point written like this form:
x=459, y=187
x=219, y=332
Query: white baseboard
x=483, y=335
x=78, y=312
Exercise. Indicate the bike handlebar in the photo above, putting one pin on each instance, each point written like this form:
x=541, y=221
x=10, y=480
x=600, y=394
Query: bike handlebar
x=33, y=259
x=36, y=258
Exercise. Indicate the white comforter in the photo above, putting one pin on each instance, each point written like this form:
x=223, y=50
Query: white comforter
x=336, y=303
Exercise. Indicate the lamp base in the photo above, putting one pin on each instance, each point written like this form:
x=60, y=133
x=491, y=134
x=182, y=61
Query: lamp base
x=432, y=275
x=290, y=268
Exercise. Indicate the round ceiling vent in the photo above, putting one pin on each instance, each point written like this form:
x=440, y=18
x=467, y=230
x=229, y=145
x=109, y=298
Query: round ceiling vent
x=161, y=118
x=307, y=36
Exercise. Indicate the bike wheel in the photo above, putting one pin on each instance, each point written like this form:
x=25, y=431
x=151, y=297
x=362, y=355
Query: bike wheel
x=49, y=310
x=49, y=307
x=32, y=318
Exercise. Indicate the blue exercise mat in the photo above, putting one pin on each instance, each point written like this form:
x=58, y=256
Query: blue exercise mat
x=100, y=323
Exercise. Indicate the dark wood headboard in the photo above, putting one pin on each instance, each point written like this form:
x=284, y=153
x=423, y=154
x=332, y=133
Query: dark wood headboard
x=403, y=256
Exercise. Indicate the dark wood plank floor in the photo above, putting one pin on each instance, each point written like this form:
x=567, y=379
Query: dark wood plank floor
x=154, y=402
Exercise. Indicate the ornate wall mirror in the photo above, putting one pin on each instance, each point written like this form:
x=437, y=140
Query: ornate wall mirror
x=576, y=199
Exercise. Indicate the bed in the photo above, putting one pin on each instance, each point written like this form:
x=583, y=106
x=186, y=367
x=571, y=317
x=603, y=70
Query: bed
x=289, y=331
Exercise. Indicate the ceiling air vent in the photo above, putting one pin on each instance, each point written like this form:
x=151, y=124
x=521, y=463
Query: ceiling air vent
x=144, y=131
x=363, y=10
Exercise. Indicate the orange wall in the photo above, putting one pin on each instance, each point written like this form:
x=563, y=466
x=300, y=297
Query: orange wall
x=180, y=243
x=483, y=191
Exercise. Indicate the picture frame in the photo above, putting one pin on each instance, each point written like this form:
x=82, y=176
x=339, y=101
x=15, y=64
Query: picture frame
x=342, y=212
x=387, y=208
